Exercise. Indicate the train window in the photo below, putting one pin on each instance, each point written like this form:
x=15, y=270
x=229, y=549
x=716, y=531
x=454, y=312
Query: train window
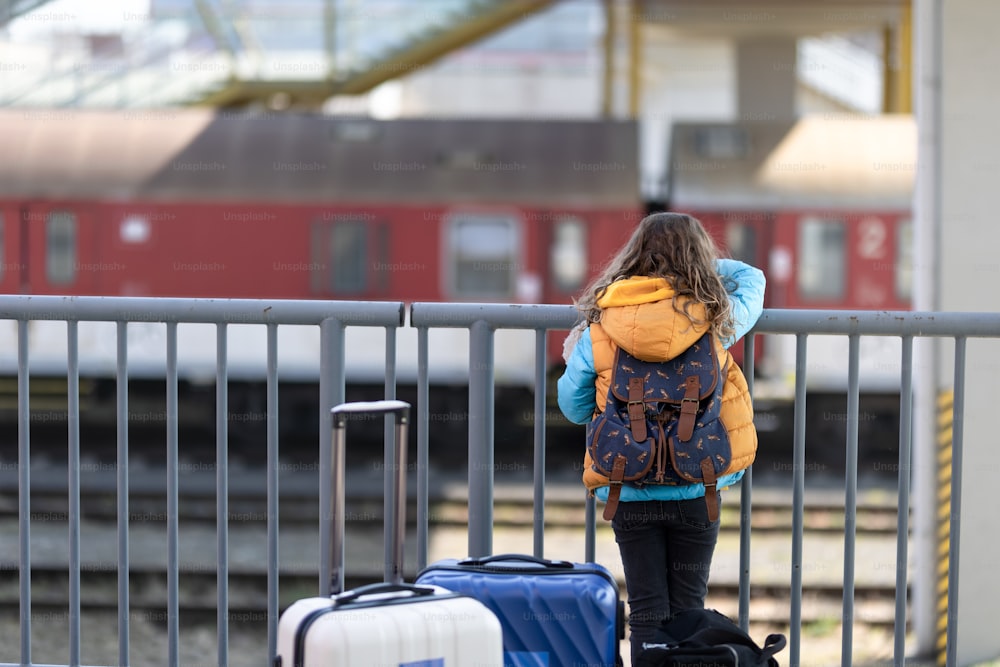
x=904, y=260
x=349, y=251
x=484, y=255
x=60, y=255
x=822, y=258
x=569, y=254
x=721, y=143
x=741, y=241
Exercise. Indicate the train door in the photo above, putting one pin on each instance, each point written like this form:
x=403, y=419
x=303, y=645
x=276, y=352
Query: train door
x=841, y=261
x=10, y=256
x=55, y=250
x=349, y=257
x=748, y=237
x=485, y=251
x=878, y=263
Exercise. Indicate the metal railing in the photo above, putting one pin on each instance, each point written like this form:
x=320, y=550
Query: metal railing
x=332, y=318
x=482, y=321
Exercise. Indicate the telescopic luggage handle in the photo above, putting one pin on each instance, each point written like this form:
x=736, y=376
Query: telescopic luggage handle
x=340, y=415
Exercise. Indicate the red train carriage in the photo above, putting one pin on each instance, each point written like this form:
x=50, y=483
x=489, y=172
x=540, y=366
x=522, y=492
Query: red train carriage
x=200, y=204
x=192, y=203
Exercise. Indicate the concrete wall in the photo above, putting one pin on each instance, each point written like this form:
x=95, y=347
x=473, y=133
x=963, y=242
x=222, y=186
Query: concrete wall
x=970, y=273
x=958, y=97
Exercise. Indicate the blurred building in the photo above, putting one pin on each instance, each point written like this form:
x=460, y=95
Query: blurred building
x=564, y=59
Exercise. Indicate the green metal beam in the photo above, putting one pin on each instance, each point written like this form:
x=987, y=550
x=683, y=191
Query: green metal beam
x=488, y=20
x=405, y=61
x=238, y=93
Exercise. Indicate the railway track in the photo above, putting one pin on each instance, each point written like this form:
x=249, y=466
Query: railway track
x=566, y=510
x=772, y=511
x=448, y=518
x=247, y=597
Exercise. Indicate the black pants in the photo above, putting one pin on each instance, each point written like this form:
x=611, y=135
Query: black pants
x=666, y=548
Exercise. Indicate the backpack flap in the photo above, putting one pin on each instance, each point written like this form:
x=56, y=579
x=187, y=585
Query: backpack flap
x=610, y=441
x=666, y=382
x=681, y=403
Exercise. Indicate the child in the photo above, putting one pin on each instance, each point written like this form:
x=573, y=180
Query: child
x=658, y=295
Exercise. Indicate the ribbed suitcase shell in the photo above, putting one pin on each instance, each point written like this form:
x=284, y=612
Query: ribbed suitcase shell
x=388, y=624
x=441, y=629
x=553, y=613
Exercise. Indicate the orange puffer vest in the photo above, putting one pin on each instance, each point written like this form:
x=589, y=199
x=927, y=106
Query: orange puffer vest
x=639, y=315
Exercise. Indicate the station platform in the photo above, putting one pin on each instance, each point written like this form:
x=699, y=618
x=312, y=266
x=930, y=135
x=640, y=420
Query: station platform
x=298, y=551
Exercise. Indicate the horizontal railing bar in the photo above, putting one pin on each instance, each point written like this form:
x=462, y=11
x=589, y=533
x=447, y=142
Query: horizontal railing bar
x=229, y=311
x=879, y=323
x=444, y=315
x=498, y=315
x=773, y=321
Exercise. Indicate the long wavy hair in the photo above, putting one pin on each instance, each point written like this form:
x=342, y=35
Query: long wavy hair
x=676, y=247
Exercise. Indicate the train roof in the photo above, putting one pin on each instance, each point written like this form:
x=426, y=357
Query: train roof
x=196, y=154
x=829, y=161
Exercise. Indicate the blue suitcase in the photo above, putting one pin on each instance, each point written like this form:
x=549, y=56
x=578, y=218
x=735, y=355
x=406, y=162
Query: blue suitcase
x=553, y=613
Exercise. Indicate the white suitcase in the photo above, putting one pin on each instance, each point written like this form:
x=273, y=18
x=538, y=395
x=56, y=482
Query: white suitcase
x=390, y=623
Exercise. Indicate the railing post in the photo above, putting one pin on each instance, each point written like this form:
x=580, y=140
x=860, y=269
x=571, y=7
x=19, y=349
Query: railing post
x=222, y=490
x=850, y=498
x=121, y=400
x=798, y=499
x=903, y=516
x=73, y=483
x=389, y=457
x=24, y=489
x=331, y=393
x=173, y=543
x=955, y=511
x=538, y=521
x=423, y=453
x=745, y=501
x=480, y=439
x=273, y=467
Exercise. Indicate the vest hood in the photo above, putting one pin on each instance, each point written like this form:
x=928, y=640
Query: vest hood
x=639, y=316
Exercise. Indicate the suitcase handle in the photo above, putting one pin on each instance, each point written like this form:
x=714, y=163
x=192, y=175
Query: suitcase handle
x=339, y=414
x=485, y=560
x=376, y=589
x=400, y=409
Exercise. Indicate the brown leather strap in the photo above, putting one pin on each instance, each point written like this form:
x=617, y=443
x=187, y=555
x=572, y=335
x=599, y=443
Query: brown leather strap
x=615, y=487
x=711, y=488
x=637, y=409
x=689, y=409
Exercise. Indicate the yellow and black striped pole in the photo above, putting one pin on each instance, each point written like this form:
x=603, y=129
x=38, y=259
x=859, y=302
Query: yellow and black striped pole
x=945, y=422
